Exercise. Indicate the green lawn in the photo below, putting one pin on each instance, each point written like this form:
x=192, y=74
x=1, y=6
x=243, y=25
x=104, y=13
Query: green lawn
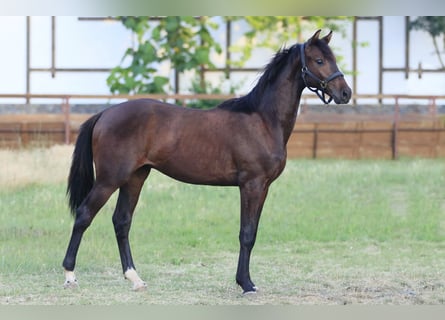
x=332, y=232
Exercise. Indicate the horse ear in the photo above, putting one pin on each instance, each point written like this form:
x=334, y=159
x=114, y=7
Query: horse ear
x=328, y=37
x=314, y=37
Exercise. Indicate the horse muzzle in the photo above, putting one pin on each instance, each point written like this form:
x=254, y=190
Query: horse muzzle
x=340, y=95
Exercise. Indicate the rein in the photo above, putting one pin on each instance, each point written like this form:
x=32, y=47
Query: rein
x=321, y=93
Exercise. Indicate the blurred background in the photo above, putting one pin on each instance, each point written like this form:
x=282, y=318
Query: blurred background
x=57, y=71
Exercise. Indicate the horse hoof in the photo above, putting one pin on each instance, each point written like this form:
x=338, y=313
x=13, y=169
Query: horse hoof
x=141, y=286
x=251, y=292
x=71, y=284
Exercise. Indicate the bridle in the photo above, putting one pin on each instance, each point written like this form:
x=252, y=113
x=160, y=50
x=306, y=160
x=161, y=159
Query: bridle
x=323, y=83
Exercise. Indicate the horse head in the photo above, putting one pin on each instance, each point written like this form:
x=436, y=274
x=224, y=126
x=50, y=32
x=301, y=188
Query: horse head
x=320, y=71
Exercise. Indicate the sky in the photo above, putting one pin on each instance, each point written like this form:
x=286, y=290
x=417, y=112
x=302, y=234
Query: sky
x=93, y=44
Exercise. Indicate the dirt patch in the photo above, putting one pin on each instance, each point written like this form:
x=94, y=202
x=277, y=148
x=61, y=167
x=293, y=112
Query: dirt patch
x=30, y=166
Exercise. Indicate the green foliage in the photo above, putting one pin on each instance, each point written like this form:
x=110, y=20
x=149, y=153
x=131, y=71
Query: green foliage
x=435, y=27
x=187, y=44
x=274, y=31
x=207, y=87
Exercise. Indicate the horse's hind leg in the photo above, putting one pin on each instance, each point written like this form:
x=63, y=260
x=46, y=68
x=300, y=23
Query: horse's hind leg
x=123, y=214
x=85, y=214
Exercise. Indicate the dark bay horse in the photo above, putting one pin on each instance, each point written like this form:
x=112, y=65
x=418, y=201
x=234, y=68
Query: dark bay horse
x=241, y=142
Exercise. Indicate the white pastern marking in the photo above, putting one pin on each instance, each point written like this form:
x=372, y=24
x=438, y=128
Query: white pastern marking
x=70, y=279
x=138, y=284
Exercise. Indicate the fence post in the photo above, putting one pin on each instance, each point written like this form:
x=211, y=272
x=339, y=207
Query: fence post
x=314, y=150
x=66, y=113
x=24, y=135
x=395, y=127
x=360, y=128
x=436, y=126
x=433, y=108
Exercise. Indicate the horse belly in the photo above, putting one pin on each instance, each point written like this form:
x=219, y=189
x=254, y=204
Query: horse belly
x=192, y=165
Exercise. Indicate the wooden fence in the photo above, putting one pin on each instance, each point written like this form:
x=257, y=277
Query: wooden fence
x=314, y=136
x=368, y=139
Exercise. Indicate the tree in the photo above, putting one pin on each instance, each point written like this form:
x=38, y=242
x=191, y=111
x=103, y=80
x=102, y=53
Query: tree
x=435, y=26
x=274, y=31
x=186, y=44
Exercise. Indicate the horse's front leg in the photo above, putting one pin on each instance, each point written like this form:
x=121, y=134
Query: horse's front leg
x=253, y=194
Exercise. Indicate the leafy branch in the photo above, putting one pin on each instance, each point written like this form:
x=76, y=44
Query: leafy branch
x=435, y=26
x=273, y=31
x=185, y=42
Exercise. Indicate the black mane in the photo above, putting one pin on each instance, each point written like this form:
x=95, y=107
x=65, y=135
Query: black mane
x=250, y=102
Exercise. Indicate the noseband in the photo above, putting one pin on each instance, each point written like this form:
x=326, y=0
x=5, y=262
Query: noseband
x=321, y=93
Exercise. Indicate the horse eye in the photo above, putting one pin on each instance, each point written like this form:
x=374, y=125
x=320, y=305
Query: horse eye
x=319, y=61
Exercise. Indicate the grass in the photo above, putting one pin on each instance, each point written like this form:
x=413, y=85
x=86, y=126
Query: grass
x=332, y=232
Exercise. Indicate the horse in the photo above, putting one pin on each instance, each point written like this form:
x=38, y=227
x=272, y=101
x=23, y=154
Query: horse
x=240, y=143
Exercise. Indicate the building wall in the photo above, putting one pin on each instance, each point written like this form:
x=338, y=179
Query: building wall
x=93, y=44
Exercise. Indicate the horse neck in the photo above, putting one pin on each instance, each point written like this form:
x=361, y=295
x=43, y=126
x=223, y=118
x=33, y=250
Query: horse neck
x=281, y=102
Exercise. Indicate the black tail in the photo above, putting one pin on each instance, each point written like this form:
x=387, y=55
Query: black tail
x=81, y=178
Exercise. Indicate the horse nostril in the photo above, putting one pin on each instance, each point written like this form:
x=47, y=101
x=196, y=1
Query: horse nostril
x=346, y=94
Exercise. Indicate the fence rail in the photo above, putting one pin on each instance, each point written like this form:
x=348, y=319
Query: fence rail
x=346, y=136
